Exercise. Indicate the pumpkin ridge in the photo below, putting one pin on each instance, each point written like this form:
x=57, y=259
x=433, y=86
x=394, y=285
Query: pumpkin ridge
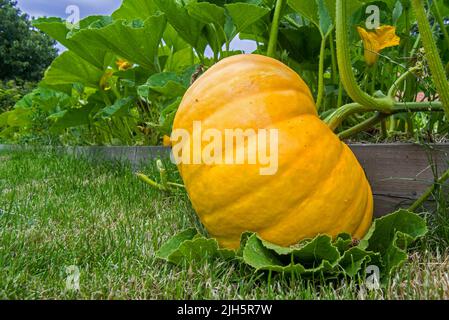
x=220, y=209
x=275, y=124
x=249, y=60
x=367, y=216
x=189, y=109
x=316, y=189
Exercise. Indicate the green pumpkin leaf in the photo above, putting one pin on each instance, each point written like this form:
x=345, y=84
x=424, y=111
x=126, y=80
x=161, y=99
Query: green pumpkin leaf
x=136, y=41
x=391, y=235
x=168, y=84
x=244, y=15
x=173, y=244
x=384, y=246
x=71, y=117
x=119, y=109
x=135, y=9
x=68, y=69
x=178, y=16
x=58, y=29
x=206, y=13
x=319, y=12
x=189, y=246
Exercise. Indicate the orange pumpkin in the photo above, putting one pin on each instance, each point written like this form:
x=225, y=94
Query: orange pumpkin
x=319, y=186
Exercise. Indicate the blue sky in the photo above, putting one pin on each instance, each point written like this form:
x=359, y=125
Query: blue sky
x=57, y=8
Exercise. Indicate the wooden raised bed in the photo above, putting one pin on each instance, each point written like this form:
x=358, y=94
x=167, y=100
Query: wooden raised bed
x=398, y=173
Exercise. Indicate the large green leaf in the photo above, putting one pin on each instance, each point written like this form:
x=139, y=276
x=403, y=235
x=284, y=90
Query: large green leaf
x=68, y=69
x=19, y=117
x=391, y=235
x=320, y=12
x=99, y=36
x=173, y=40
x=207, y=13
x=384, y=246
x=244, y=15
x=4, y=118
x=303, y=44
x=71, y=117
x=58, y=30
x=214, y=18
x=178, y=16
x=137, y=41
x=135, y=9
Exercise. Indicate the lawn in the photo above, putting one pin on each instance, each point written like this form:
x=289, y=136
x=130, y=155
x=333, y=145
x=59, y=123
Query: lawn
x=57, y=212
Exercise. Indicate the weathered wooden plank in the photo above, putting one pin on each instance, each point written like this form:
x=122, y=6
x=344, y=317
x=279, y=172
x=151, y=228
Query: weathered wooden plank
x=134, y=155
x=398, y=173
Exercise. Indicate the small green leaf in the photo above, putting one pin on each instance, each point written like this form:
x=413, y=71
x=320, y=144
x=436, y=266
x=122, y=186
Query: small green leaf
x=189, y=246
x=168, y=84
x=343, y=242
x=173, y=244
x=119, y=109
x=354, y=259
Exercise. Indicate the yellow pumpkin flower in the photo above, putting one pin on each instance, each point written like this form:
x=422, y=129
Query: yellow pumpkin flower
x=123, y=64
x=106, y=80
x=166, y=141
x=375, y=41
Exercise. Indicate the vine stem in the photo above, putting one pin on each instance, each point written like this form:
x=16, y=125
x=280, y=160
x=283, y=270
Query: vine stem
x=369, y=123
x=150, y=182
x=396, y=86
x=433, y=57
x=272, y=43
x=440, y=20
x=335, y=79
x=418, y=203
x=320, y=96
x=341, y=114
x=345, y=66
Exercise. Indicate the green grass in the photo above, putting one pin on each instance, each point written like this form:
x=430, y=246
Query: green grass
x=56, y=211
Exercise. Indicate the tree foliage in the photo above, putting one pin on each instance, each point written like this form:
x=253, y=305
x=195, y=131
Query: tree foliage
x=25, y=52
